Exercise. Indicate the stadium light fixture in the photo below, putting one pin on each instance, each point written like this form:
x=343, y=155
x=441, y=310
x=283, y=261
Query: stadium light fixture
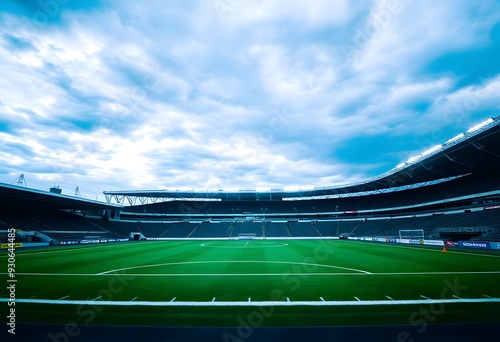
x=432, y=149
x=298, y=189
x=413, y=159
x=479, y=126
x=455, y=138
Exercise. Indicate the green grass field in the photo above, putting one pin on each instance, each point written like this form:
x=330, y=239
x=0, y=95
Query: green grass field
x=272, y=282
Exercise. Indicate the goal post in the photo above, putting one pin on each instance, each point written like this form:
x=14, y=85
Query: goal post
x=411, y=234
x=246, y=236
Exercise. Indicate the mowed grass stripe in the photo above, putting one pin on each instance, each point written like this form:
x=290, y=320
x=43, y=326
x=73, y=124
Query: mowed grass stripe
x=69, y=248
x=86, y=260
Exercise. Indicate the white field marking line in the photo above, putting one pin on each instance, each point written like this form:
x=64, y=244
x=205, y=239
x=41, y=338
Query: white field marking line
x=425, y=297
x=436, y=250
x=173, y=300
x=359, y=300
x=261, y=303
x=53, y=274
x=207, y=245
x=247, y=274
x=457, y=297
x=249, y=299
x=322, y=299
x=63, y=297
x=196, y=274
x=96, y=298
x=486, y=296
x=213, y=299
x=435, y=273
x=389, y=297
x=227, y=262
x=133, y=299
x=246, y=244
x=287, y=299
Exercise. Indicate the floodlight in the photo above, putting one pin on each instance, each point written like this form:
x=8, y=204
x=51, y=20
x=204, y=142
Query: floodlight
x=461, y=135
x=432, y=149
x=479, y=126
x=413, y=159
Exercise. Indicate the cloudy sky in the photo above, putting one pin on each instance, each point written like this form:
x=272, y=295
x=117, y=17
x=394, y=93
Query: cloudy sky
x=236, y=94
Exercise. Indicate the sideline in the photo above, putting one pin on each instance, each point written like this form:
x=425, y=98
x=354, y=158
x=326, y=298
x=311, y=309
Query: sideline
x=261, y=303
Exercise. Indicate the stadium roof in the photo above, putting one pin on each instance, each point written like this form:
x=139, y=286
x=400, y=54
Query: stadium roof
x=14, y=195
x=476, y=150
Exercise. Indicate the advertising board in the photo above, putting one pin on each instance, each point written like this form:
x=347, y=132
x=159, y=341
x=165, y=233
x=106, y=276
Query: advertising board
x=434, y=242
x=474, y=244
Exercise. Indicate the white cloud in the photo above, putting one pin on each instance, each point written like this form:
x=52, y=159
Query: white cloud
x=401, y=95
x=303, y=74
x=457, y=108
x=312, y=14
x=403, y=37
x=134, y=96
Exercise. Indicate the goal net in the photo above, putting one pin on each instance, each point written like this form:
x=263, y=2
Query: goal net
x=412, y=234
x=246, y=236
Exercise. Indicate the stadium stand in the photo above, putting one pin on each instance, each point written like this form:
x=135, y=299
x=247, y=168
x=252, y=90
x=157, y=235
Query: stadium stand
x=305, y=229
x=276, y=229
x=211, y=230
x=328, y=228
x=242, y=227
x=179, y=230
x=468, y=185
x=446, y=193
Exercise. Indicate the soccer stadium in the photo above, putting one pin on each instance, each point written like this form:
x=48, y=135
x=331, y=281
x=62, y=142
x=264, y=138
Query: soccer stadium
x=414, y=249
